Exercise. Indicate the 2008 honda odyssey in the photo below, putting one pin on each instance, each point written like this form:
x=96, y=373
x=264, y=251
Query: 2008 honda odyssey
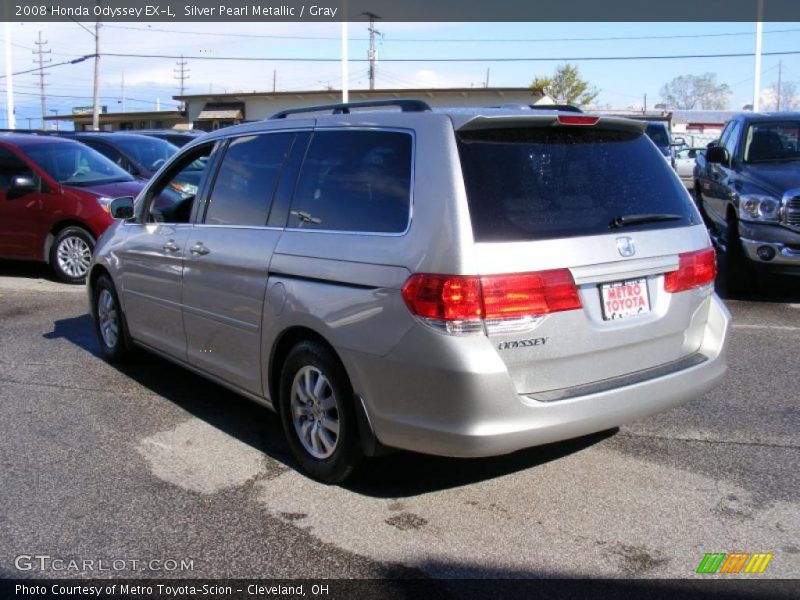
x=461, y=283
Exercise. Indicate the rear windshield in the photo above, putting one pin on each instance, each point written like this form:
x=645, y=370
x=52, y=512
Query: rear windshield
x=658, y=133
x=540, y=183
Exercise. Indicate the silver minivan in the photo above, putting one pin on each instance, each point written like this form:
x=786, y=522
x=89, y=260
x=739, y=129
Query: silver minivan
x=463, y=282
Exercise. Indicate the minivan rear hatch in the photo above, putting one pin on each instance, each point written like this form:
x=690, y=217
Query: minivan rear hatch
x=589, y=199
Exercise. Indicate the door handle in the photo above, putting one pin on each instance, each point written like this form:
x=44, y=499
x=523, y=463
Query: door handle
x=200, y=249
x=170, y=246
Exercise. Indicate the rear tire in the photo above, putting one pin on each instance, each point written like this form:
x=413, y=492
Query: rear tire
x=109, y=321
x=317, y=413
x=71, y=254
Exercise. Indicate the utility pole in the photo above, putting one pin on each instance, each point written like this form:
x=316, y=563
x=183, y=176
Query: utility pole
x=373, y=52
x=274, y=79
x=122, y=92
x=780, y=68
x=644, y=110
x=41, y=52
x=96, y=86
x=181, y=74
x=486, y=85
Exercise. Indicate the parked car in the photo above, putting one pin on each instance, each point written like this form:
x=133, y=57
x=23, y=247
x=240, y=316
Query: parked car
x=659, y=133
x=176, y=138
x=747, y=185
x=461, y=283
x=140, y=155
x=684, y=164
x=54, y=201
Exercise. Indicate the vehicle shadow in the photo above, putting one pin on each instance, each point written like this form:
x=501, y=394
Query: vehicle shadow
x=27, y=270
x=770, y=288
x=398, y=474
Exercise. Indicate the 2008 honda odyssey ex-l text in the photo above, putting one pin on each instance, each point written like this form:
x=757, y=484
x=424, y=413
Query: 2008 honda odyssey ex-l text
x=455, y=282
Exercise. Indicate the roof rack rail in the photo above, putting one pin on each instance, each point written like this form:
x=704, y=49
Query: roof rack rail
x=408, y=105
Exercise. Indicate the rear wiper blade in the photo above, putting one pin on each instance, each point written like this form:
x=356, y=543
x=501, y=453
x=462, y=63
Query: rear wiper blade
x=626, y=220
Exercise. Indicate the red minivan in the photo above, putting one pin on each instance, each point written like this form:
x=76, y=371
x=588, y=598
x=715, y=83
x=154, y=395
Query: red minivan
x=54, y=197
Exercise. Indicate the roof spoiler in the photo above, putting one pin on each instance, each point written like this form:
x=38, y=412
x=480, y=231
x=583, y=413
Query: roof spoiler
x=552, y=120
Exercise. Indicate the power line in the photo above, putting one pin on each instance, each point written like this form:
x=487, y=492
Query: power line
x=456, y=60
x=50, y=66
x=456, y=40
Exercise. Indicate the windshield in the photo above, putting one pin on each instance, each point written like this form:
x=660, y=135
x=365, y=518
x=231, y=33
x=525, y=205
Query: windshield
x=658, y=133
x=72, y=163
x=776, y=141
x=149, y=152
x=539, y=183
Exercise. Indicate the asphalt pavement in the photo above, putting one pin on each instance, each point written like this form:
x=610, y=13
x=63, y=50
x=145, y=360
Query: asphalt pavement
x=152, y=463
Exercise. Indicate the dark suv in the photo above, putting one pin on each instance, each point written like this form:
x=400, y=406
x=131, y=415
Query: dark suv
x=747, y=186
x=54, y=197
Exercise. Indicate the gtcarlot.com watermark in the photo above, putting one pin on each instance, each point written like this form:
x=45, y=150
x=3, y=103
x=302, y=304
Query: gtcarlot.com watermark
x=47, y=563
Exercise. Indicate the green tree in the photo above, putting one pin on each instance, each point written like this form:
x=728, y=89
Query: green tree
x=696, y=91
x=565, y=86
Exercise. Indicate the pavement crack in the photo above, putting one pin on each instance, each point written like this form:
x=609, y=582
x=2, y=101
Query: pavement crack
x=721, y=442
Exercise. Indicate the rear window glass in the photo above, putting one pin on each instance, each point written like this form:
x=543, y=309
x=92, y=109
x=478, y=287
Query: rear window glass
x=355, y=181
x=658, y=133
x=540, y=183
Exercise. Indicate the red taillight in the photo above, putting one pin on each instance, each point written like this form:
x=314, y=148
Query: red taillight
x=447, y=297
x=695, y=269
x=577, y=120
x=464, y=298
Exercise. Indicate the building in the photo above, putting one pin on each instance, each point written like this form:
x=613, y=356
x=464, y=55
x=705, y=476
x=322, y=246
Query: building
x=212, y=111
x=125, y=121
x=208, y=112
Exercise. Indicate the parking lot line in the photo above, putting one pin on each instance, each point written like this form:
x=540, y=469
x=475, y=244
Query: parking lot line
x=755, y=326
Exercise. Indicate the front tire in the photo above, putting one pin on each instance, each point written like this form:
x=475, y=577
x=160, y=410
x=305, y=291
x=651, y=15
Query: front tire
x=71, y=254
x=109, y=321
x=317, y=413
x=740, y=277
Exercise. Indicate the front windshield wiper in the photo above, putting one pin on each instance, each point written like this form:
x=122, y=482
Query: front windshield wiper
x=627, y=220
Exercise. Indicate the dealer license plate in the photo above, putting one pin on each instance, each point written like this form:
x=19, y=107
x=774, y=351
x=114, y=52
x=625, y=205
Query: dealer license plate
x=624, y=299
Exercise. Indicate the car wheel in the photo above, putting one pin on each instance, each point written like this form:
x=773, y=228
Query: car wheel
x=317, y=413
x=109, y=321
x=71, y=254
x=740, y=277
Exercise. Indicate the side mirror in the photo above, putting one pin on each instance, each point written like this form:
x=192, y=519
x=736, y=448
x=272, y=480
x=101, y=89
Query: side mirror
x=24, y=184
x=712, y=143
x=122, y=208
x=717, y=155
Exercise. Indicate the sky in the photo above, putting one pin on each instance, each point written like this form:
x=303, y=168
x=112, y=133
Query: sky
x=148, y=81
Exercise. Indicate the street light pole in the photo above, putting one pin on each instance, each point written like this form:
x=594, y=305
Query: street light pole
x=10, y=120
x=96, y=93
x=757, y=74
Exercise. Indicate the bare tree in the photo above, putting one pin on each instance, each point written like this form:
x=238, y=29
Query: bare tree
x=696, y=91
x=789, y=100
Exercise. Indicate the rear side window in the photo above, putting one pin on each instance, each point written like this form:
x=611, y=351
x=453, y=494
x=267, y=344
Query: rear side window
x=541, y=183
x=358, y=181
x=245, y=183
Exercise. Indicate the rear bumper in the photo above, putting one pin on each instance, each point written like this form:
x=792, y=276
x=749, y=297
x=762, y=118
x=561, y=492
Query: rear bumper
x=471, y=409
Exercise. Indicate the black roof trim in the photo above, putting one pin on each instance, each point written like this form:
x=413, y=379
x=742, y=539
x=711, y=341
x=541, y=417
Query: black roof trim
x=405, y=105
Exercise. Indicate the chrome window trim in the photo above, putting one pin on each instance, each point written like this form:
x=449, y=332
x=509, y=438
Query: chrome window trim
x=412, y=180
